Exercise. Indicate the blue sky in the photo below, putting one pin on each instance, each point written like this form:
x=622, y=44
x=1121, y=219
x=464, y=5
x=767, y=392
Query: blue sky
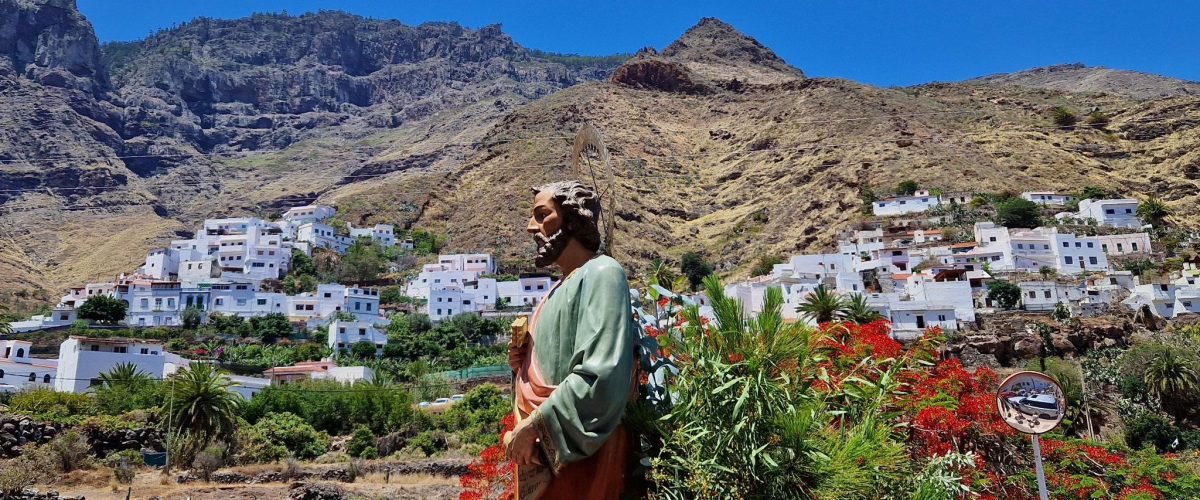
x=882, y=43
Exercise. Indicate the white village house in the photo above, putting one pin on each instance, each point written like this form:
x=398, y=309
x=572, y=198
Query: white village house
x=920, y=201
x=1112, y=213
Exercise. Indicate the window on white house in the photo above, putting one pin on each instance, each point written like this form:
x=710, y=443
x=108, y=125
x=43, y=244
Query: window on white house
x=120, y=349
x=145, y=351
x=1032, y=294
x=1091, y=245
x=241, y=302
x=1119, y=249
x=1067, y=259
x=262, y=302
x=1092, y=260
x=1133, y=245
x=362, y=331
x=1046, y=293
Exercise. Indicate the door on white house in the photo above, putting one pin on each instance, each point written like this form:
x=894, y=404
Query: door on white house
x=920, y=322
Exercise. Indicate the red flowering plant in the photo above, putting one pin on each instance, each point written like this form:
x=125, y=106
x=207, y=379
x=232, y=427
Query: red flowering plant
x=1081, y=469
x=491, y=475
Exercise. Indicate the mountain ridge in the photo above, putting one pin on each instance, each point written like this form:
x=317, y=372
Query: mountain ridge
x=1078, y=77
x=735, y=156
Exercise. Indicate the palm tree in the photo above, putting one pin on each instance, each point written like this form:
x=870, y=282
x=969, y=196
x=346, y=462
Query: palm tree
x=821, y=305
x=124, y=374
x=1153, y=211
x=857, y=311
x=201, y=403
x=5, y=326
x=1170, y=375
x=662, y=274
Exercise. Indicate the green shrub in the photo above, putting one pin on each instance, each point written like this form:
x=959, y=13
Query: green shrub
x=208, y=461
x=334, y=408
x=34, y=465
x=1097, y=119
x=294, y=434
x=251, y=446
x=363, y=350
x=69, y=451
x=49, y=405
x=428, y=442
x=124, y=465
x=1064, y=117
x=1149, y=429
x=360, y=442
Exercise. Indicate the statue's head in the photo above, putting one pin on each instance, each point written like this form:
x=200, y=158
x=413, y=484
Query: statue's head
x=563, y=212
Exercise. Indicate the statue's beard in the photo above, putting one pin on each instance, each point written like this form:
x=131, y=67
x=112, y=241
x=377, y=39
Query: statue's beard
x=550, y=248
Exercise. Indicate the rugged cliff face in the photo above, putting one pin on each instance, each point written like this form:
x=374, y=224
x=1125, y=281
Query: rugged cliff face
x=199, y=120
x=719, y=146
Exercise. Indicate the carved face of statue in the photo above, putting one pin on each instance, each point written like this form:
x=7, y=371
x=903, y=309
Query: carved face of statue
x=563, y=212
x=546, y=227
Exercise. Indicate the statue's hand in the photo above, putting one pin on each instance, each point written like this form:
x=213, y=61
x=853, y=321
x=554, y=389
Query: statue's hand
x=516, y=355
x=520, y=444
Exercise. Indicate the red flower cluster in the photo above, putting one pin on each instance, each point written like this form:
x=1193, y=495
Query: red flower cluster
x=955, y=410
x=491, y=475
x=850, y=342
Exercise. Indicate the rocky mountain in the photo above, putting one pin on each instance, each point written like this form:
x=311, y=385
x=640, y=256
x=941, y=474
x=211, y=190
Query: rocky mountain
x=1078, y=78
x=195, y=121
x=718, y=145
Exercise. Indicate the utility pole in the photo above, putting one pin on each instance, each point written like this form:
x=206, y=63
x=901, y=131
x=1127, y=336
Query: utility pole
x=170, y=413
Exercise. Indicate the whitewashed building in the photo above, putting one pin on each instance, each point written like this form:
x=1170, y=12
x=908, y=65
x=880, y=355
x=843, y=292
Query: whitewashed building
x=1048, y=198
x=920, y=201
x=1031, y=249
x=1043, y=295
x=1166, y=300
x=19, y=370
x=1124, y=244
x=81, y=360
x=344, y=334
x=1112, y=213
x=325, y=369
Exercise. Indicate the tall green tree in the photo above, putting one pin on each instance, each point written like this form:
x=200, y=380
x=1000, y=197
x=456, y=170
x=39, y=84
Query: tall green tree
x=364, y=261
x=765, y=265
x=104, y=309
x=201, y=404
x=1004, y=293
x=822, y=305
x=695, y=268
x=191, y=317
x=1153, y=211
x=1018, y=212
x=907, y=187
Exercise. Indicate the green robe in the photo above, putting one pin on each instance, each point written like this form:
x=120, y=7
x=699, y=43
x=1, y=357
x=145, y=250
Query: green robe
x=585, y=339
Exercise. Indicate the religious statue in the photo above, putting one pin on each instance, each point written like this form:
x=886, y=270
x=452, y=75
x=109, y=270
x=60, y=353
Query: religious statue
x=574, y=359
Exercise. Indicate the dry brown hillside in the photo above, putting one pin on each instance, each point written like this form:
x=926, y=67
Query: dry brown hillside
x=719, y=146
